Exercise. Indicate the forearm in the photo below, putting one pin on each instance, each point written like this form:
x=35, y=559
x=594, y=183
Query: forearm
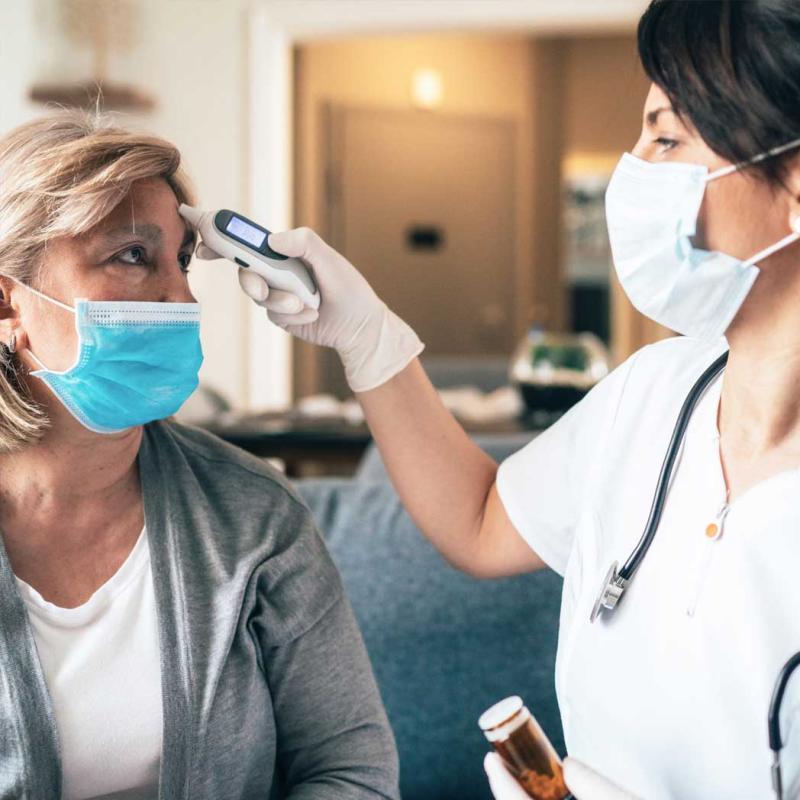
x=443, y=478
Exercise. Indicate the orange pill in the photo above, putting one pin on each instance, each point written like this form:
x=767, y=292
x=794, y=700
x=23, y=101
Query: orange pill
x=711, y=530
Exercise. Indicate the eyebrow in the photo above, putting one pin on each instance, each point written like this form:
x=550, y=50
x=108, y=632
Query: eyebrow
x=151, y=233
x=652, y=116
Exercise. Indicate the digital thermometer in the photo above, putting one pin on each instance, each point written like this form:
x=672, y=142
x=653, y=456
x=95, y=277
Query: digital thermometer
x=246, y=243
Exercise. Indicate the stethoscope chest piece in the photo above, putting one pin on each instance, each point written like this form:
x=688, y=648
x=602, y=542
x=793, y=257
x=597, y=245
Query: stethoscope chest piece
x=611, y=591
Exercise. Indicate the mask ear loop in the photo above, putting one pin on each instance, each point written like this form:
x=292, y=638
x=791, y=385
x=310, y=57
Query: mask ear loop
x=723, y=171
x=773, y=248
x=44, y=296
x=49, y=300
x=795, y=224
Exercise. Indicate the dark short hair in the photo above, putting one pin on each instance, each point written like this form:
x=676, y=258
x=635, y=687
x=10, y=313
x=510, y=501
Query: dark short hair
x=732, y=68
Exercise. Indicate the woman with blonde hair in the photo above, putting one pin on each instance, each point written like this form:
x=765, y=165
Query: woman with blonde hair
x=172, y=624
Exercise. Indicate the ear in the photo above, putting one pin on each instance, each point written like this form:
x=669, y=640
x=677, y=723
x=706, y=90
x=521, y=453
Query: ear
x=10, y=323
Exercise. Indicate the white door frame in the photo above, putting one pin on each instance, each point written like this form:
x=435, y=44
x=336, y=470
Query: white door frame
x=269, y=380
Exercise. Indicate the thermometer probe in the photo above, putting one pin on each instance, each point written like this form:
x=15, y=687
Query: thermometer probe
x=246, y=243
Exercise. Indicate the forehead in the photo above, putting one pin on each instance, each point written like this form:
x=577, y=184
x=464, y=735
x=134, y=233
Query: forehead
x=150, y=208
x=656, y=97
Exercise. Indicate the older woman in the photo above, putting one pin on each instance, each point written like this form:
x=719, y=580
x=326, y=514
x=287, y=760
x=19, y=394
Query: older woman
x=172, y=625
x=669, y=695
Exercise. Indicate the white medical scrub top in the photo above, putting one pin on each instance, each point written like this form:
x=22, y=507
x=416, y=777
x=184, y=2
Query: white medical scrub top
x=668, y=696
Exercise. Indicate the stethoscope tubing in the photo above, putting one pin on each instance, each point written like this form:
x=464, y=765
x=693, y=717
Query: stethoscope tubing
x=628, y=570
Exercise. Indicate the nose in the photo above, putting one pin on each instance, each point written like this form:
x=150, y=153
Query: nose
x=183, y=297
x=174, y=285
x=180, y=295
x=640, y=148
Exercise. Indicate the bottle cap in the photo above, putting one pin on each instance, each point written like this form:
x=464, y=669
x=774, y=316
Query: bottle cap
x=500, y=712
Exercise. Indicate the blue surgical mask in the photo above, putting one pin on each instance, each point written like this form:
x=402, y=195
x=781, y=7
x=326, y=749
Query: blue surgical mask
x=136, y=362
x=651, y=211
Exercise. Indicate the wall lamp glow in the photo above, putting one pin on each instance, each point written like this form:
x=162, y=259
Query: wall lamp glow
x=427, y=90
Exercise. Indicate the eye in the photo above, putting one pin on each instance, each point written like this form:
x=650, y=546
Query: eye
x=666, y=143
x=140, y=258
x=185, y=260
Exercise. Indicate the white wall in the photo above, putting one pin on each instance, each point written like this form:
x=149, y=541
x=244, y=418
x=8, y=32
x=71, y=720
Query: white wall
x=17, y=44
x=311, y=19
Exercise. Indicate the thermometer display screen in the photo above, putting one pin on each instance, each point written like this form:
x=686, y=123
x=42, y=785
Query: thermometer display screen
x=246, y=232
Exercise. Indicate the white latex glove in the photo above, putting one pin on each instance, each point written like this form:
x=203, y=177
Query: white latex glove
x=582, y=781
x=373, y=343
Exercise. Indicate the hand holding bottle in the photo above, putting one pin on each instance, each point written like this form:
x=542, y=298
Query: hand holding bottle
x=582, y=781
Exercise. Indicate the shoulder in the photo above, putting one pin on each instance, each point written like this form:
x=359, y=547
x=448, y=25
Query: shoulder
x=234, y=499
x=254, y=527
x=660, y=374
x=219, y=463
x=678, y=357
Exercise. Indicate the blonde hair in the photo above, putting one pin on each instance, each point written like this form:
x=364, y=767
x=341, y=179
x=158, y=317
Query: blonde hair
x=60, y=175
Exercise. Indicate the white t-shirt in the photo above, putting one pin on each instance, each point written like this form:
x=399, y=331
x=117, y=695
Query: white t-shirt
x=102, y=667
x=669, y=696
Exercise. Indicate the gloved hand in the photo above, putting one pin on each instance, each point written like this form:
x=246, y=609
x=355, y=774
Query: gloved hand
x=373, y=343
x=582, y=781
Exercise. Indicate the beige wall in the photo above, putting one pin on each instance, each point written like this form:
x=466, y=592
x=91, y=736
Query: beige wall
x=483, y=75
x=604, y=89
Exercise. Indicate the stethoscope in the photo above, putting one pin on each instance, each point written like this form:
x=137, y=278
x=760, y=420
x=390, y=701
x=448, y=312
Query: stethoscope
x=617, y=581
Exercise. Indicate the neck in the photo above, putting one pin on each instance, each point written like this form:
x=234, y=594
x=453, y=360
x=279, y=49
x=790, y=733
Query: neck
x=69, y=467
x=760, y=410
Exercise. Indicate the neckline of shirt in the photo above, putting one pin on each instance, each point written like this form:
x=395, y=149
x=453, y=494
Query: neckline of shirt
x=706, y=418
x=136, y=561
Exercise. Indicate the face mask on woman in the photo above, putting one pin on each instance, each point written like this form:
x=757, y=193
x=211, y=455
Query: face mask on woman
x=651, y=212
x=136, y=362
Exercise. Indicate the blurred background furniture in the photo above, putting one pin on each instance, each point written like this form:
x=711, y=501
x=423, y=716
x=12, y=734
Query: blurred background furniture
x=444, y=646
x=328, y=446
x=485, y=372
x=322, y=435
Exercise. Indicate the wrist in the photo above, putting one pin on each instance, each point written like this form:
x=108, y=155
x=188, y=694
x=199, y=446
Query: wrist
x=383, y=347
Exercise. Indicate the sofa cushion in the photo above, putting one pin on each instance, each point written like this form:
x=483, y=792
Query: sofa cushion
x=444, y=646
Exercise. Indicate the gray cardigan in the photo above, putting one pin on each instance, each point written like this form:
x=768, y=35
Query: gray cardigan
x=266, y=685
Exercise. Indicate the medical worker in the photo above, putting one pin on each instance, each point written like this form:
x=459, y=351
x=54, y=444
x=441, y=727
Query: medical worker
x=667, y=698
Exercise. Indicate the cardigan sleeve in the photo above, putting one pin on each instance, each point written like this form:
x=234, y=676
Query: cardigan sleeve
x=333, y=736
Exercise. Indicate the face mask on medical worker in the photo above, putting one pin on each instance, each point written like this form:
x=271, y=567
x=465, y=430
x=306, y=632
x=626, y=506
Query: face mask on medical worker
x=651, y=211
x=136, y=362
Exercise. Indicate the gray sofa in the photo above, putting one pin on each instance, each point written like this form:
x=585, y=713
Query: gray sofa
x=444, y=646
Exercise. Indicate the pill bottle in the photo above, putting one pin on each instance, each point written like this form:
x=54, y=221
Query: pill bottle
x=525, y=748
